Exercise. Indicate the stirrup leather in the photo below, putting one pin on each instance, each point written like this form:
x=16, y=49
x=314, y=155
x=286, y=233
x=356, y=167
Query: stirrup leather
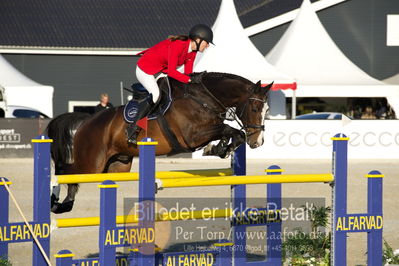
x=132, y=132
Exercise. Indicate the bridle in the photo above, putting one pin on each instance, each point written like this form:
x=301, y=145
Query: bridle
x=238, y=118
x=244, y=108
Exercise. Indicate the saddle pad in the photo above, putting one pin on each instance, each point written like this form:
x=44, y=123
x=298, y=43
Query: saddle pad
x=130, y=110
x=163, y=105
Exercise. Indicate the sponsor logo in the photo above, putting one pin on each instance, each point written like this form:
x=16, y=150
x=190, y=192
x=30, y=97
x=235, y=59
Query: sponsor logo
x=9, y=136
x=132, y=112
x=312, y=139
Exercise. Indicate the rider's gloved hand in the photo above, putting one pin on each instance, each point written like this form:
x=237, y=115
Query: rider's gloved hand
x=197, y=77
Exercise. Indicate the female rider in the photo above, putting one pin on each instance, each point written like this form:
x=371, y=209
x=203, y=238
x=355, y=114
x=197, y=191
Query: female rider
x=166, y=57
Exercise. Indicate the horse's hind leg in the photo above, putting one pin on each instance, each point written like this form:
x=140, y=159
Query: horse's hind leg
x=60, y=169
x=67, y=204
x=119, y=163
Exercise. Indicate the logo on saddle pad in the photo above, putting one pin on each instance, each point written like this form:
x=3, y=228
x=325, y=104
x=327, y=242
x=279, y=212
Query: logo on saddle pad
x=133, y=112
x=130, y=111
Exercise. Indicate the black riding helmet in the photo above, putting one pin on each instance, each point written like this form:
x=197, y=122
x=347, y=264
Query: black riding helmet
x=203, y=32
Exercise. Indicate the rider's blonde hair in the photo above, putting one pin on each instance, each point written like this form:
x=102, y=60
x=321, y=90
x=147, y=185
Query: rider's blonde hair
x=178, y=37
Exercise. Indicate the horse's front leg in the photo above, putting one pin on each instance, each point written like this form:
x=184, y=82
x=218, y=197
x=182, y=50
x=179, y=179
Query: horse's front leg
x=223, y=149
x=219, y=149
x=237, y=139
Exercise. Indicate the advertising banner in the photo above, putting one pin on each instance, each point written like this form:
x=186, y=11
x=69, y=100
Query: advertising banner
x=16, y=135
x=311, y=139
x=284, y=139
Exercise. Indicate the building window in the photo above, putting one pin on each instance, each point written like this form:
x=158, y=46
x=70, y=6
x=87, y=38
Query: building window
x=82, y=106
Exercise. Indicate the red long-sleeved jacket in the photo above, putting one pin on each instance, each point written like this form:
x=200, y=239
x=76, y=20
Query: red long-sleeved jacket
x=167, y=56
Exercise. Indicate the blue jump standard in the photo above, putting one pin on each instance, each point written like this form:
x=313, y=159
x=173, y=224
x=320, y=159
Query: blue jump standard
x=343, y=223
x=18, y=232
x=225, y=252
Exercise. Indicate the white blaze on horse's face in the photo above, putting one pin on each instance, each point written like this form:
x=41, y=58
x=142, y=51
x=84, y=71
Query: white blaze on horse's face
x=256, y=113
x=255, y=121
x=260, y=139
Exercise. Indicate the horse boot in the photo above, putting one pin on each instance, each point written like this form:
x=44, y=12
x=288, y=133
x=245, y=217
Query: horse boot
x=143, y=109
x=220, y=149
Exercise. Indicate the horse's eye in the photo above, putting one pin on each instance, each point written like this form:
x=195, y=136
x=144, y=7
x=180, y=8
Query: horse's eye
x=257, y=108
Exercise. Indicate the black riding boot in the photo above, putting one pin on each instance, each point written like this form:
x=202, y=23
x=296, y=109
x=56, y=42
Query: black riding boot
x=132, y=130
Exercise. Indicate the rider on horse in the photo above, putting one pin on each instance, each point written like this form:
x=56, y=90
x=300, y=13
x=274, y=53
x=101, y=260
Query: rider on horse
x=166, y=57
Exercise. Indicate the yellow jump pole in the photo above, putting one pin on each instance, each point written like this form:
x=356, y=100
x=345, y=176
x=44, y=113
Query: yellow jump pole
x=244, y=180
x=98, y=178
x=127, y=219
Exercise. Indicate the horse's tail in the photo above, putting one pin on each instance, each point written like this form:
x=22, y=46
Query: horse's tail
x=62, y=130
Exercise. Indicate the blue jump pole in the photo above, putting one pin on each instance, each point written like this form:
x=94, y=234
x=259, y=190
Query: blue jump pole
x=107, y=221
x=239, y=203
x=4, y=214
x=224, y=247
x=147, y=187
x=343, y=223
x=41, y=198
x=64, y=258
x=340, y=172
x=374, y=207
x=274, y=241
x=41, y=206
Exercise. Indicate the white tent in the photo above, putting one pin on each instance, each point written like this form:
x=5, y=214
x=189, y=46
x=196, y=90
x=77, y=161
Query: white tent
x=392, y=80
x=22, y=91
x=307, y=53
x=234, y=53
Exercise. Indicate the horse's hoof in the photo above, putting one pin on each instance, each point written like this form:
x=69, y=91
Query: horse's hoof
x=54, y=200
x=224, y=156
x=208, y=150
x=55, y=207
x=62, y=207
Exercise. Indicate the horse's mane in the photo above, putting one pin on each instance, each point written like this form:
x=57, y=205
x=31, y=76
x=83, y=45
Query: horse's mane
x=226, y=75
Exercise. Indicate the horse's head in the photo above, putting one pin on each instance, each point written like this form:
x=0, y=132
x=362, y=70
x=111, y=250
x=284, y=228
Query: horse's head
x=252, y=113
x=248, y=98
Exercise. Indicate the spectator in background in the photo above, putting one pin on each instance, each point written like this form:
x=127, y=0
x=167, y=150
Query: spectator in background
x=382, y=110
x=368, y=113
x=104, y=103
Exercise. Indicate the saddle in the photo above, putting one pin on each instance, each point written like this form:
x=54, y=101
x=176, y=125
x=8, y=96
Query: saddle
x=140, y=94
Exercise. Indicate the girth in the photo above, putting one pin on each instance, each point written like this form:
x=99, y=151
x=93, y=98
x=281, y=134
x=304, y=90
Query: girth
x=170, y=135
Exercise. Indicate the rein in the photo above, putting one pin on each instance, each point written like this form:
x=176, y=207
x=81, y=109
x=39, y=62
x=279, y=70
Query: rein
x=223, y=114
x=187, y=94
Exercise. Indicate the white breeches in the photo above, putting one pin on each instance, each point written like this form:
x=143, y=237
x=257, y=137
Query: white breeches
x=149, y=82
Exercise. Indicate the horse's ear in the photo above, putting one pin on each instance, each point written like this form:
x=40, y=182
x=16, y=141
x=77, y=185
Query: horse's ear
x=257, y=86
x=268, y=87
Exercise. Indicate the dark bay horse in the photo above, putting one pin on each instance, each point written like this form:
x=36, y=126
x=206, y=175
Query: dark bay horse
x=194, y=119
